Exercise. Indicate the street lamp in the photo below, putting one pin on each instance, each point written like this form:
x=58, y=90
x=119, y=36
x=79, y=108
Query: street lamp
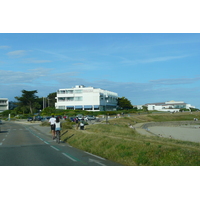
x=106, y=101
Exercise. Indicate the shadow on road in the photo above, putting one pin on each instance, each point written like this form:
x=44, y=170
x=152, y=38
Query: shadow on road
x=3, y=131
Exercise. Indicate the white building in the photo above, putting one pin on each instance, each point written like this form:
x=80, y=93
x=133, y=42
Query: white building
x=4, y=104
x=86, y=98
x=169, y=106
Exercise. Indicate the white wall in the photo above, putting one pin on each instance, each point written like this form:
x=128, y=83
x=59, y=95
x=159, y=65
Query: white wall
x=90, y=96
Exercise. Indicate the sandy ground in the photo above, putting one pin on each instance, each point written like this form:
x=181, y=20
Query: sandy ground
x=186, y=133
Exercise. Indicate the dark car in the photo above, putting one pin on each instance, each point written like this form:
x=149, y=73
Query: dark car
x=38, y=118
x=30, y=119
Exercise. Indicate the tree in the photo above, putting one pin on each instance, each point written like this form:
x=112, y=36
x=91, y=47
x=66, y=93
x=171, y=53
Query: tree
x=145, y=108
x=124, y=103
x=28, y=100
x=51, y=99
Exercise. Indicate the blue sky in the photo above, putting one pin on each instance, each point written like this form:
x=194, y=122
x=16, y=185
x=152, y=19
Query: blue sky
x=143, y=67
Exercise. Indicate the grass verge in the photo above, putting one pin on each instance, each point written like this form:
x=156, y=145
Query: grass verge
x=117, y=142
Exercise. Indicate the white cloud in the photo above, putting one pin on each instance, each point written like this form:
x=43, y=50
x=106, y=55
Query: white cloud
x=161, y=59
x=4, y=47
x=45, y=82
x=177, y=81
x=16, y=77
x=30, y=60
x=151, y=60
x=17, y=53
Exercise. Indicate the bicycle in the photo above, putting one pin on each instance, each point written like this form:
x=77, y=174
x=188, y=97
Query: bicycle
x=58, y=136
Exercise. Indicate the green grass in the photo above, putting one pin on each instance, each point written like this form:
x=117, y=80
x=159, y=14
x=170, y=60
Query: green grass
x=117, y=142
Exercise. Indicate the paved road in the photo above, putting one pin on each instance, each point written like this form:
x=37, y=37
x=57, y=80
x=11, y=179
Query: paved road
x=31, y=145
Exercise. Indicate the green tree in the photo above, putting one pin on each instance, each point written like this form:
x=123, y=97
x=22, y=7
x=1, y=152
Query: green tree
x=28, y=100
x=145, y=108
x=124, y=103
x=51, y=99
x=48, y=111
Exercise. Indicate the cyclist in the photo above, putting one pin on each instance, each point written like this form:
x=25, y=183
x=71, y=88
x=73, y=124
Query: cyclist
x=52, y=121
x=57, y=126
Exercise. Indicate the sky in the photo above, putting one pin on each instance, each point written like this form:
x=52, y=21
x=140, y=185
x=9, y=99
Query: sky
x=137, y=50
x=143, y=67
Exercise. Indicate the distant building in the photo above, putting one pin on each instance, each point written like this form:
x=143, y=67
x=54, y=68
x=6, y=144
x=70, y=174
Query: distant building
x=139, y=107
x=4, y=104
x=86, y=98
x=169, y=106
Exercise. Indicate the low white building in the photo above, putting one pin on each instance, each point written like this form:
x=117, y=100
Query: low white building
x=4, y=104
x=169, y=106
x=86, y=98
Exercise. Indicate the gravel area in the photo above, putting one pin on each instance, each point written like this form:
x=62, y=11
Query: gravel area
x=186, y=133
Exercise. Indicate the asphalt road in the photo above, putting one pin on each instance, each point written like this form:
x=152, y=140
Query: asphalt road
x=24, y=145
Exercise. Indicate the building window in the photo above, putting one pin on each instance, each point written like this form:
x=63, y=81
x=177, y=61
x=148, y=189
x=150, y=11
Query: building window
x=70, y=107
x=61, y=98
x=78, y=107
x=69, y=91
x=2, y=101
x=96, y=107
x=78, y=98
x=61, y=91
x=70, y=98
x=78, y=91
x=88, y=107
x=61, y=107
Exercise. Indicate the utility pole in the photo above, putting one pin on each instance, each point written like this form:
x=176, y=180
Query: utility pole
x=43, y=103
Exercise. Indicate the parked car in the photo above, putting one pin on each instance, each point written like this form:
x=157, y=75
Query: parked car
x=38, y=118
x=30, y=119
x=90, y=117
x=79, y=117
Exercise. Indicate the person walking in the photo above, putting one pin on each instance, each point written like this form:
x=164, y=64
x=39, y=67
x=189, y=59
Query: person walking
x=82, y=124
x=52, y=121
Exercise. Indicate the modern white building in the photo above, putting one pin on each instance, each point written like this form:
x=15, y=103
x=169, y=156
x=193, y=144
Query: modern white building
x=86, y=98
x=4, y=104
x=169, y=106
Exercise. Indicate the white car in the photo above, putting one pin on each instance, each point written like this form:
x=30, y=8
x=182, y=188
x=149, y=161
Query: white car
x=91, y=117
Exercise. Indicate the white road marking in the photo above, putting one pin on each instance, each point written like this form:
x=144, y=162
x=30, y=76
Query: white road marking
x=0, y=143
x=69, y=157
x=3, y=139
x=95, y=156
x=55, y=148
x=96, y=161
x=46, y=142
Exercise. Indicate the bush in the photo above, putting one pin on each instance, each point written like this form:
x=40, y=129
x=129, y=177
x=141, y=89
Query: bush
x=45, y=123
x=67, y=125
